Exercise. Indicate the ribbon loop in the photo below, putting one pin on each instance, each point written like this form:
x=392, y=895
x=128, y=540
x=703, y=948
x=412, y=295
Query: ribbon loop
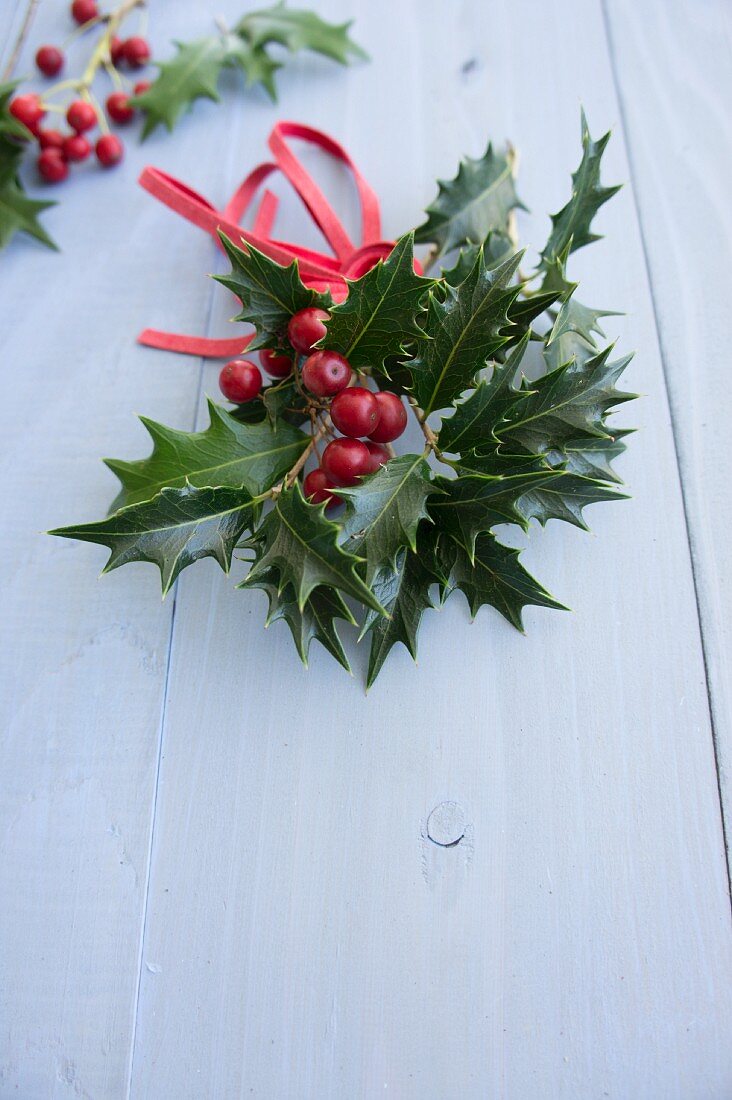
x=317, y=270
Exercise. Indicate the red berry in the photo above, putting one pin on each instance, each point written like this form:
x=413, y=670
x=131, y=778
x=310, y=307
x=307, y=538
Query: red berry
x=137, y=52
x=142, y=86
x=81, y=116
x=355, y=412
x=325, y=373
x=84, y=10
x=116, y=50
x=279, y=366
x=50, y=60
x=76, y=147
x=240, y=381
x=346, y=460
x=318, y=489
x=306, y=327
x=379, y=455
x=118, y=107
x=50, y=139
x=392, y=418
x=52, y=166
x=28, y=109
x=109, y=150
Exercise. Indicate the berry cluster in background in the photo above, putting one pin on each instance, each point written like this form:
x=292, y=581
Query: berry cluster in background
x=369, y=421
x=74, y=98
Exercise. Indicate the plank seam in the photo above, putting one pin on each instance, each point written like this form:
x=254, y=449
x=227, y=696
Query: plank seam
x=672, y=414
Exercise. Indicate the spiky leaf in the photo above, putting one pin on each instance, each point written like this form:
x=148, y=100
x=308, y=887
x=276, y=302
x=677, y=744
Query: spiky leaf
x=465, y=331
x=298, y=29
x=479, y=200
x=192, y=74
x=269, y=293
x=225, y=453
x=298, y=542
x=573, y=333
x=564, y=497
x=379, y=316
x=18, y=212
x=174, y=529
x=384, y=511
x=314, y=621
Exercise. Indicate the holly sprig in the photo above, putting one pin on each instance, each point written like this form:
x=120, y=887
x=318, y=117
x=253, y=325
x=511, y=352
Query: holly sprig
x=504, y=372
x=254, y=45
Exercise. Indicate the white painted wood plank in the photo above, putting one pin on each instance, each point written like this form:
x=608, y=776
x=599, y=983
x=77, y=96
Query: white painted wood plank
x=304, y=939
x=675, y=89
x=82, y=662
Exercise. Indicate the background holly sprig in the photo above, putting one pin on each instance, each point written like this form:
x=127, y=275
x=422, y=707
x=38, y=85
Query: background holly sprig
x=503, y=371
x=254, y=45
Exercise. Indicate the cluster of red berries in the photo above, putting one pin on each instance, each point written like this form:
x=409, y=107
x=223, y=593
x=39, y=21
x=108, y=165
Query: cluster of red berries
x=58, y=150
x=366, y=419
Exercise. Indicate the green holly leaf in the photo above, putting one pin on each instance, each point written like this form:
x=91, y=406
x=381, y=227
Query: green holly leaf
x=477, y=500
x=284, y=402
x=571, y=225
x=18, y=212
x=269, y=293
x=497, y=248
x=315, y=620
x=493, y=575
x=384, y=511
x=226, y=453
x=591, y=456
x=564, y=497
x=254, y=61
x=568, y=403
x=572, y=335
x=474, y=422
x=298, y=542
x=465, y=331
x=380, y=314
x=192, y=74
x=404, y=590
x=299, y=30
x=478, y=201
x=174, y=529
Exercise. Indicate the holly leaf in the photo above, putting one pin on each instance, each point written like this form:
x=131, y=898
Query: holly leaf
x=284, y=402
x=568, y=403
x=192, y=74
x=299, y=30
x=381, y=310
x=497, y=248
x=493, y=575
x=465, y=331
x=479, y=200
x=573, y=334
x=475, y=501
x=474, y=422
x=174, y=529
x=571, y=225
x=384, y=511
x=254, y=61
x=269, y=293
x=298, y=542
x=564, y=497
x=226, y=453
x=18, y=212
x=591, y=456
x=404, y=590
x=315, y=620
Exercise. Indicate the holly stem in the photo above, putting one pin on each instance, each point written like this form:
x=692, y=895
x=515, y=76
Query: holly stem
x=289, y=478
x=428, y=260
x=20, y=40
x=427, y=432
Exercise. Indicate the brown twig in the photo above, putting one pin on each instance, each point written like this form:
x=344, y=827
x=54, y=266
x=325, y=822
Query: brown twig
x=20, y=40
x=427, y=432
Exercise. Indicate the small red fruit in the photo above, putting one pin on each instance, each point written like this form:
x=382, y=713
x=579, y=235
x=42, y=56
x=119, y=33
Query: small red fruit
x=392, y=418
x=240, y=381
x=50, y=60
x=279, y=366
x=118, y=107
x=137, y=52
x=50, y=139
x=346, y=460
x=306, y=327
x=355, y=412
x=318, y=489
x=28, y=109
x=81, y=116
x=142, y=86
x=52, y=166
x=76, y=147
x=84, y=10
x=116, y=50
x=109, y=150
x=325, y=373
x=379, y=455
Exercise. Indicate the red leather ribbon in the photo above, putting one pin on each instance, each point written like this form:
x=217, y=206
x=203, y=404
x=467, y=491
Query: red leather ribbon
x=317, y=270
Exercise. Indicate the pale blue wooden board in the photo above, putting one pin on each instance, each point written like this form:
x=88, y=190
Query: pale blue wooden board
x=295, y=934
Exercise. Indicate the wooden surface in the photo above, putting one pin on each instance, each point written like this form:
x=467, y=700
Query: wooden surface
x=217, y=873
